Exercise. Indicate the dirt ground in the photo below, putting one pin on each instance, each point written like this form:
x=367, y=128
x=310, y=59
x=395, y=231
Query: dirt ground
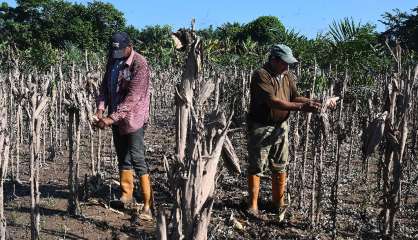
x=357, y=217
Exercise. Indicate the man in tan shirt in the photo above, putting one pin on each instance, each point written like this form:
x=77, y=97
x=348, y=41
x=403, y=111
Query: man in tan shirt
x=273, y=96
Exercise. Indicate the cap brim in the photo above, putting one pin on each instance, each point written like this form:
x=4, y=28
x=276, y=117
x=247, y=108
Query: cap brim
x=118, y=53
x=289, y=59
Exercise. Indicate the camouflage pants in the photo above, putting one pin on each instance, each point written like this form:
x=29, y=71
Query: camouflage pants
x=268, y=146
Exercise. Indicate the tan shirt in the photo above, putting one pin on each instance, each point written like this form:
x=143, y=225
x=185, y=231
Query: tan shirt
x=265, y=84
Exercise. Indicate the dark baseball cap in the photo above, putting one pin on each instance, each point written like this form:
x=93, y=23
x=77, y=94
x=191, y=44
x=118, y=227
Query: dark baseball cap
x=119, y=41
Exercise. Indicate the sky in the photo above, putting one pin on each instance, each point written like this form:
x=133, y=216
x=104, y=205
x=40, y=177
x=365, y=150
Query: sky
x=307, y=17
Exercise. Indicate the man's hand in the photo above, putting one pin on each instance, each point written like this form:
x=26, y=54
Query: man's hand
x=311, y=106
x=99, y=114
x=105, y=122
x=331, y=103
x=97, y=117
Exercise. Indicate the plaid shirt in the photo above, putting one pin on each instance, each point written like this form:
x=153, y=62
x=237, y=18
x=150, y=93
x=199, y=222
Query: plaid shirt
x=132, y=91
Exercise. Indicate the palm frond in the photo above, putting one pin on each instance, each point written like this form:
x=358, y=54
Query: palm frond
x=343, y=31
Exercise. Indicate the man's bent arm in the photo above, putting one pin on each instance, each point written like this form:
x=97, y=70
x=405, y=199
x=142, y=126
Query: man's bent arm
x=301, y=99
x=285, y=105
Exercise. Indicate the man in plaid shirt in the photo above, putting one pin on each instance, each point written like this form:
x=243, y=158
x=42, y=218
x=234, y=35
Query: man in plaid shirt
x=125, y=91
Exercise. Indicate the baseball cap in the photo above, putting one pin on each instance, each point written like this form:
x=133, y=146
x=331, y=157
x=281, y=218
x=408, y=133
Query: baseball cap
x=119, y=41
x=283, y=52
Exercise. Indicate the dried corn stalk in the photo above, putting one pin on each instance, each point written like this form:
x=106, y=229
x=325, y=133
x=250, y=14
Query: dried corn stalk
x=4, y=160
x=192, y=176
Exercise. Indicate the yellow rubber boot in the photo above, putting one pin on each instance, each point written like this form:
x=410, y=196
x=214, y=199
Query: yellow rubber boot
x=126, y=185
x=253, y=190
x=146, y=190
x=278, y=187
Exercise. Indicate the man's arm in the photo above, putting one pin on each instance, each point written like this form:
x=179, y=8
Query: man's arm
x=330, y=102
x=285, y=105
x=308, y=106
x=301, y=99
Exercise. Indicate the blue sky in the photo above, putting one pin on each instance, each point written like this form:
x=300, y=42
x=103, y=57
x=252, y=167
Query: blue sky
x=306, y=16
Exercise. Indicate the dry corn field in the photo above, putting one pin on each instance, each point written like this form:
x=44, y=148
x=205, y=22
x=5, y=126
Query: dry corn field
x=353, y=171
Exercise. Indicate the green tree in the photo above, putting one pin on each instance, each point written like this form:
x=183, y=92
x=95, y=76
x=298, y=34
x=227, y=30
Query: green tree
x=356, y=47
x=58, y=22
x=403, y=27
x=134, y=34
x=64, y=22
x=265, y=30
x=206, y=33
x=233, y=31
x=156, y=44
x=20, y=25
x=105, y=20
x=39, y=27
